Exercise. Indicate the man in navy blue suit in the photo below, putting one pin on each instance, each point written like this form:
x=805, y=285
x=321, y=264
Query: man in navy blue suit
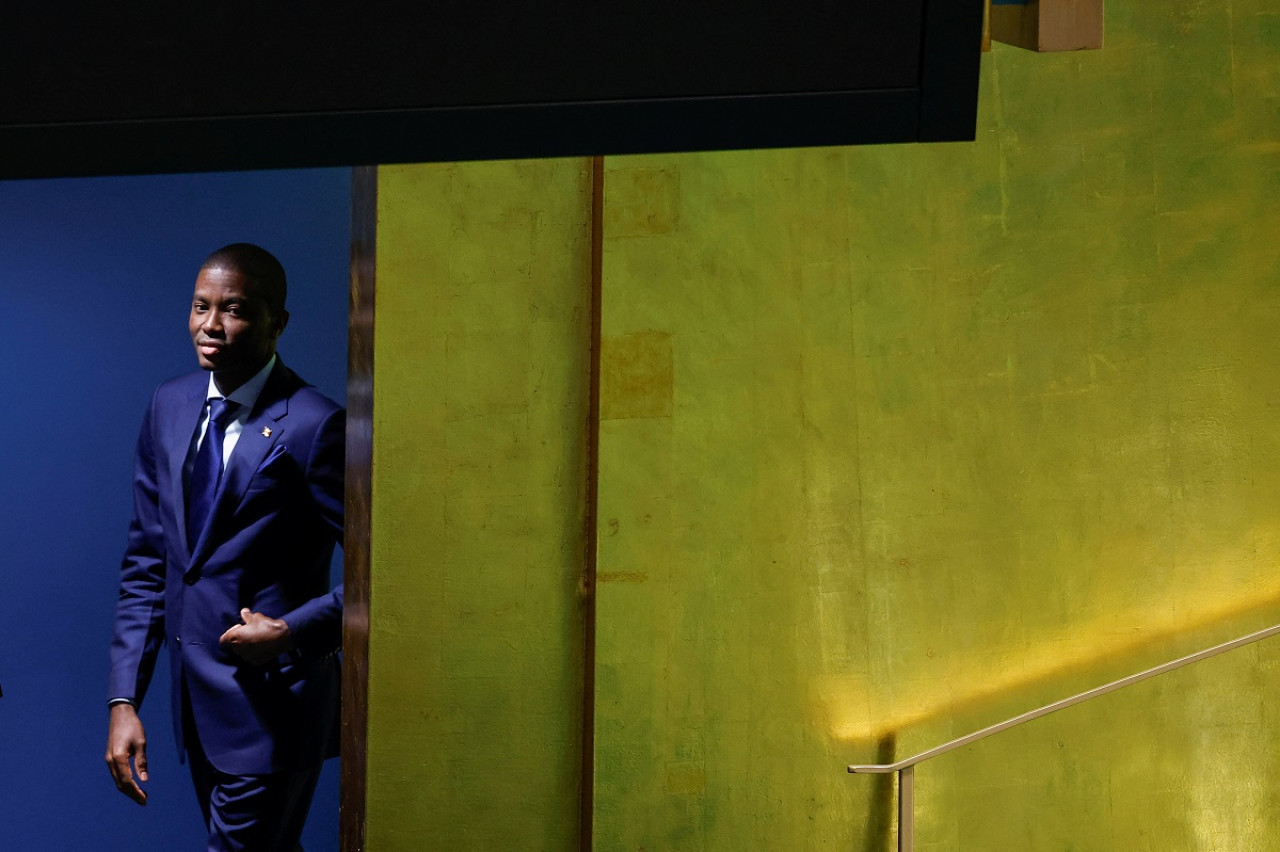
x=238, y=501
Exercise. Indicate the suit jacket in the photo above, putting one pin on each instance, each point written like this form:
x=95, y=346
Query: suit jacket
x=267, y=546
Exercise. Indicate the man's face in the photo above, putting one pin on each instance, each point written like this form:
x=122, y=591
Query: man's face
x=232, y=327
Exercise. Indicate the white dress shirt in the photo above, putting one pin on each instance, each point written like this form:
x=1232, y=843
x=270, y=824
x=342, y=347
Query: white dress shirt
x=246, y=396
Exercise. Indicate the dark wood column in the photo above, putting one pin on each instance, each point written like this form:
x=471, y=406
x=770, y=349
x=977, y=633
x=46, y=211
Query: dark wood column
x=355, y=632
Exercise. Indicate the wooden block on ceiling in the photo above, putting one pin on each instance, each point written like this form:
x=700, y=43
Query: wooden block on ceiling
x=1048, y=25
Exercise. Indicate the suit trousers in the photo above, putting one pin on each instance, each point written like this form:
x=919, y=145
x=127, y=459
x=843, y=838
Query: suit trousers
x=248, y=813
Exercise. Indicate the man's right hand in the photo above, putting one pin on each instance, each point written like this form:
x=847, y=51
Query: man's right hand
x=127, y=749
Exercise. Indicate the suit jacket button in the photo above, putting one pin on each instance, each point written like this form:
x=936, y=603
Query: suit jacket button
x=177, y=639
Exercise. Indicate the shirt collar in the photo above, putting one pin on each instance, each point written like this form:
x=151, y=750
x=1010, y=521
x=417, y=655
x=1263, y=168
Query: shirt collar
x=247, y=394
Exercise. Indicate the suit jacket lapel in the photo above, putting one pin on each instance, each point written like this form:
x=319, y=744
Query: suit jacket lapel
x=262, y=430
x=180, y=434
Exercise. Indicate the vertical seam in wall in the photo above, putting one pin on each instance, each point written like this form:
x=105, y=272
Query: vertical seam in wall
x=358, y=511
x=587, y=780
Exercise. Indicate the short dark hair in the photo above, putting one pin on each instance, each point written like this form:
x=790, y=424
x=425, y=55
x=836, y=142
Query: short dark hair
x=258, y=265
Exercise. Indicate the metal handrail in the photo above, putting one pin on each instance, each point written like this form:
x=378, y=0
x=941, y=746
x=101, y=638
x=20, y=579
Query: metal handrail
x=906, y=767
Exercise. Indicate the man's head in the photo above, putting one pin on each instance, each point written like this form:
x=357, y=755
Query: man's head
x=237, y=312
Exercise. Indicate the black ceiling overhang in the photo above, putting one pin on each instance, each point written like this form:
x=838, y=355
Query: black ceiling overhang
x=251, y=89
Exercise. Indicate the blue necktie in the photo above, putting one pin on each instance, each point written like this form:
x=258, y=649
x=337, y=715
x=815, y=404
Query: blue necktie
x=207, y=469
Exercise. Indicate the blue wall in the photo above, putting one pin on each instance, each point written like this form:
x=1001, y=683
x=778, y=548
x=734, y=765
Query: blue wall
x=95, y=285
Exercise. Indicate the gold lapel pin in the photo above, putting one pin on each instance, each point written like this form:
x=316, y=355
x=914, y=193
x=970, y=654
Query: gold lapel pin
x=266, y=431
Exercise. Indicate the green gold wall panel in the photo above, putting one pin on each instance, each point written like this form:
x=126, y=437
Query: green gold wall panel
x=954, y=431
x=896, y=442
x=475, y=672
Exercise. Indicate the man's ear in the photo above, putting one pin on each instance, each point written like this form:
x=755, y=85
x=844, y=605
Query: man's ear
x=281, y=320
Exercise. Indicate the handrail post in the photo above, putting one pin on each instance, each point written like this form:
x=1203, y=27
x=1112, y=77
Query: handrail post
x=906, y=808
x=905, y=768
